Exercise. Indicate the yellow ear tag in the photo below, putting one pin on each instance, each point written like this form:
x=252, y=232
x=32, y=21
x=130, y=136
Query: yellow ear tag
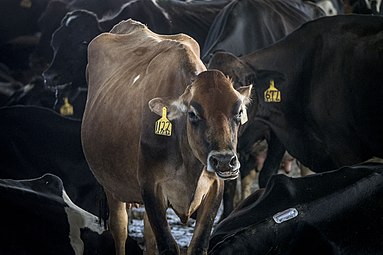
x=272, y=94
x=66, y=109
x=26, y=3
x=163, y=126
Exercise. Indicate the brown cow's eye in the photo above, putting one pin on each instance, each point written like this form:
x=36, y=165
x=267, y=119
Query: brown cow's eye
x=238, y=116
x=193, y=117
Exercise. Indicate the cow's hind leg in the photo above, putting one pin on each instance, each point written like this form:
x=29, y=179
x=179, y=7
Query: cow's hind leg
x=118, y=223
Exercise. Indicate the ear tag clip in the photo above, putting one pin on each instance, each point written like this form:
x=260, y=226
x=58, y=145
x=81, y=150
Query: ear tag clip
x=26, y=4
x=66, y=109
x=244, y=117
x=272, y=94
x=163, y=126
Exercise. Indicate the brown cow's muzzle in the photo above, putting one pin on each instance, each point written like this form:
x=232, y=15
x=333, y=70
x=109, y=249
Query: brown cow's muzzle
x=224, y=163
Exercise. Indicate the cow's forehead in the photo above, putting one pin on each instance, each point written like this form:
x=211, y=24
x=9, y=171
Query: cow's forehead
x=213, y=91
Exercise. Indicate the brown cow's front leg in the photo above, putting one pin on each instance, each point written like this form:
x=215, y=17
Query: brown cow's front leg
x=118, y=222
x=156, y=212
x=205, y=219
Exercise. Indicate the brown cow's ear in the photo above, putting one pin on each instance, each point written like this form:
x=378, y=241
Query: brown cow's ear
x=172, y=109
x=245, y=92
x=156, y=105
x=175, y=108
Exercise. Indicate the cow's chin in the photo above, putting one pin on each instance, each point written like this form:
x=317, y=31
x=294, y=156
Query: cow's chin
x=228, y=175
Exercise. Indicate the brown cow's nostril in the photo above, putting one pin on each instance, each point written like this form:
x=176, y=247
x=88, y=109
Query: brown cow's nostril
x=214, y=161
x=233, y=161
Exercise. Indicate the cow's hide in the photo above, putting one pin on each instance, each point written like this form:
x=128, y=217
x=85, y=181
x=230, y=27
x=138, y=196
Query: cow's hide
x=338, y=212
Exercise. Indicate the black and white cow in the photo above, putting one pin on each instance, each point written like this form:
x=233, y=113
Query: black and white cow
x=40, y=218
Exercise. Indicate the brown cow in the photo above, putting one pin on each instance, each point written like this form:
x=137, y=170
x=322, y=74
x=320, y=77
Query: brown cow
x=179, y=169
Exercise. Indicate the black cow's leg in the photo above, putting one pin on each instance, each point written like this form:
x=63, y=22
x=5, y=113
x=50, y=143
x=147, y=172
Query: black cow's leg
x=118, y=223
x=155, y=209
x=205, y=219
x=275, y=153
x=228, y=197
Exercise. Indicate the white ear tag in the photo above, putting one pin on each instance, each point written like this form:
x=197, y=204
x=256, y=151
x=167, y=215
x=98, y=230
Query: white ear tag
x=244, y=118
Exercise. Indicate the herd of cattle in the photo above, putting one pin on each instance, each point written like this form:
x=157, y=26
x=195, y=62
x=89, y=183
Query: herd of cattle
x=105, y=104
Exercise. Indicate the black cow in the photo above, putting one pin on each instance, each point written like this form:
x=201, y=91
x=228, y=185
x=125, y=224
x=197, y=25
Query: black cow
x=66, y=72
x=322, y=99
x=193, y=18
x=338, y=212
x=247, y=25
x=242, y=27
x=40, y=218
x=50, y=20
x=34, y=141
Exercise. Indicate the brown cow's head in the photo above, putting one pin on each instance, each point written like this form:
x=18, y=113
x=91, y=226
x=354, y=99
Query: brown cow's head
x=214, y=112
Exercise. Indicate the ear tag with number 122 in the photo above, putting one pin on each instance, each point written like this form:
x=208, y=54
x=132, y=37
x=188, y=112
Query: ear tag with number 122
x=163, y=126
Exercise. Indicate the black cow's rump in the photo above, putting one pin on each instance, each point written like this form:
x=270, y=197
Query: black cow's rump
x=337, y=212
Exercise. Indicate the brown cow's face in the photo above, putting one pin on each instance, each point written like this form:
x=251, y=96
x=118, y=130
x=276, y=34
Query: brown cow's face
x=214, y=111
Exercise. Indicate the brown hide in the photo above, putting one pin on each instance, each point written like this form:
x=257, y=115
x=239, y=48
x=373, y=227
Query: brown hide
x=127, y=69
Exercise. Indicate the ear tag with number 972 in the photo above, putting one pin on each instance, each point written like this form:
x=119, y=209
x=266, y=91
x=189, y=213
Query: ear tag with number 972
x=163, y=126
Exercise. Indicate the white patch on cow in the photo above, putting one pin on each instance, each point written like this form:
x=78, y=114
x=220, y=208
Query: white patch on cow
x=77, y=219
x=162, y=9
x=285, y=215
x=135, y=79
x=378, y=3
x=181, y=106
x=328, y=7
x=69, y=20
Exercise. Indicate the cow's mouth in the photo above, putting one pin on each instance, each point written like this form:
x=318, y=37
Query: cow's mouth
x=228, y=175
